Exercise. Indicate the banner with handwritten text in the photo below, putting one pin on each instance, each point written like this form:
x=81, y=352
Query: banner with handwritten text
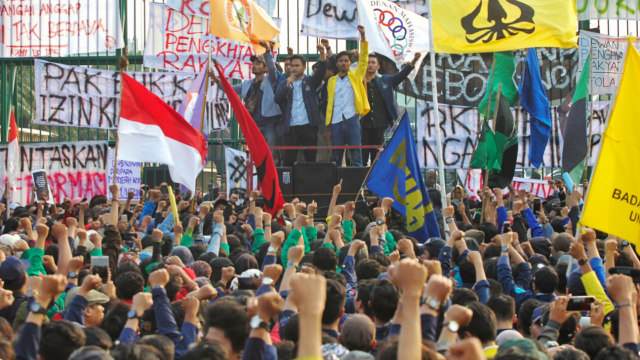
x=73, y=169
x=201, y=7
x=459, y=129
x=59, y=27
x=607, y=9
x=181, y=42
x=85, y=97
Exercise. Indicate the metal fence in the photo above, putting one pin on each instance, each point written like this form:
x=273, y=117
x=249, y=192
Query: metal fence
x=17, y=81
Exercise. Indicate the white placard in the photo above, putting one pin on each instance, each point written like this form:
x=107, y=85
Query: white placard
x=127, y=176
x=59, y=27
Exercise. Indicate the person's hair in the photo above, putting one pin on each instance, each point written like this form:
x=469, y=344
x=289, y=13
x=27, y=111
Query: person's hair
x=467, y=272
x=325, y=259
x=503, y=306
x=365, y=288
x=160, y=342
x=15, y=285
x=368, y=269
x=593, y=338
x=463, y=296
x=384, y=300
x=374, y=56
x=614, y=352
x=489, y=230
x=561, y=270
x=286, y=350
x=6, y=350
x=197, y=251
x=524, y=314
x=562, y=242
x=336, y=297
x=389, y=351
x=344, y=53
x=302, y=59
x=514, y=353
x=290, y=330
x=546, y=280
x=491, y=266
x=128, y=284
x=59, y=339
x=557, y=224
x=230, y=318
x=205, y=350
x=571, y=354
x=136, y=352
x=495, y=288
x=483, y=323
x=95, y=336
x=382, y=259
x=115, y=319
x=333, y=275
x=357, y=340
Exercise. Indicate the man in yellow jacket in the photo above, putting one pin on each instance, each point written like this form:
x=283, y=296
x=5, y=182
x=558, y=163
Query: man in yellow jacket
x=347, y=102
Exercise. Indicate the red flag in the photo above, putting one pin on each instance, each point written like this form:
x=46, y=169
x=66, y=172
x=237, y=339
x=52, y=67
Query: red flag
x=13, y=153
x=260, y=153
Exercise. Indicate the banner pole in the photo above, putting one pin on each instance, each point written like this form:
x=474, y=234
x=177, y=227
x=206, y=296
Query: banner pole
x=123, y=66
x=434, y=95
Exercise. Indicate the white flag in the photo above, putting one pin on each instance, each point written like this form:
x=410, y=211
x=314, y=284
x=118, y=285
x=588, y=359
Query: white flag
x=392, y=31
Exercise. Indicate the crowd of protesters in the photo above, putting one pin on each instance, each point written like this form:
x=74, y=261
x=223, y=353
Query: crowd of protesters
x=102, y=279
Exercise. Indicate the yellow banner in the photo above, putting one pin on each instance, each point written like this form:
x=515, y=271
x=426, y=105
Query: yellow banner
x=613, y=202
x=470, y=26
x=241, y=20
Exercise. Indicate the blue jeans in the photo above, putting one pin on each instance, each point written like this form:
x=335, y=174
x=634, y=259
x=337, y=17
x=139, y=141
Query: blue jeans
x=270, y=133
x=347, y=132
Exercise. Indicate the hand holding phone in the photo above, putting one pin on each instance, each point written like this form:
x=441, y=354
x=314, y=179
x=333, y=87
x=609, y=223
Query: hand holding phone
x=580, y=303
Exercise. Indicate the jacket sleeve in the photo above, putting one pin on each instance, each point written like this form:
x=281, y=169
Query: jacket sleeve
x=534, y=225
x=167, y=225
x=214, y=242
x=75, y=312
x=188, y=336
x=549, y=332
x=292, y=240
x=481, y=288
x=282, y=92
x=258, y=240
x=363, y=61
x=501, y=217
x=147, y=210
x=348, y=270
x=505, y=277
x=128, y=336
x=272, y=74
x=318, y=77
x=27, y=345
x=593, y=288
x=445, y=260
x=574, y=215
x=164, y=316
x=238, y=89
x=398, y=77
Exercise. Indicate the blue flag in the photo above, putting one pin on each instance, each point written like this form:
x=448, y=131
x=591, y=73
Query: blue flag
x=397, y=175
x=533, y=98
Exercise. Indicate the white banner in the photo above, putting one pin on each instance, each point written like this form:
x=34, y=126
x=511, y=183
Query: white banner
x=59, y=27
x=201, y=7
x=236, y=170
x=73, y=170
x=607, y=60
x=127, y=176
x=475, y=183
x=459, y=127
x=393, y=31
x=181, y=42
x=84, y=97
x=335, y=19
x=607, y=9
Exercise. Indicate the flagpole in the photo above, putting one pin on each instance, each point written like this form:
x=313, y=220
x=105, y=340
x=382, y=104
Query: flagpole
x=434, y=95
x=123, y=66
x=204, y=107
x=590, y=143
x=479, y=130
x=384, y=143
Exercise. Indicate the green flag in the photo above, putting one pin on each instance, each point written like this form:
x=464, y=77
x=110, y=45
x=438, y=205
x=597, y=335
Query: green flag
x=574, y=128
x=504, y=70
x=506, y=140
x=486, y=145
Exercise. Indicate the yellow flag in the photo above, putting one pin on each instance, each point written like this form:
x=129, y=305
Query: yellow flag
x=471, y=26
x=241, y=20
x=613, y=201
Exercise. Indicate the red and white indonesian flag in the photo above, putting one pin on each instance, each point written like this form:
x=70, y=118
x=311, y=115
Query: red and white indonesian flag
x=151, y=131
x=13, y=153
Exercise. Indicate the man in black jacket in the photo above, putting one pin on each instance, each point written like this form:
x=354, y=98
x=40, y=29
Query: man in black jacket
x=383, y=105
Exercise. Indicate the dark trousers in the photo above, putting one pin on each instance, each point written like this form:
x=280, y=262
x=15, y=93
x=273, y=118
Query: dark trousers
x=371, y=136
x=303, y=135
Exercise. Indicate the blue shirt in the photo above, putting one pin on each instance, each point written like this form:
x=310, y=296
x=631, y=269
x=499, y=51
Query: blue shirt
x=344, y=104
x=298, y=109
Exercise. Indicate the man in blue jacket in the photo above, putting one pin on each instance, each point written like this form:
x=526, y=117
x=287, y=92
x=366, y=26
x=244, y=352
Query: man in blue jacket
x=258, y=96
x=301, y=109
x=383, y=104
